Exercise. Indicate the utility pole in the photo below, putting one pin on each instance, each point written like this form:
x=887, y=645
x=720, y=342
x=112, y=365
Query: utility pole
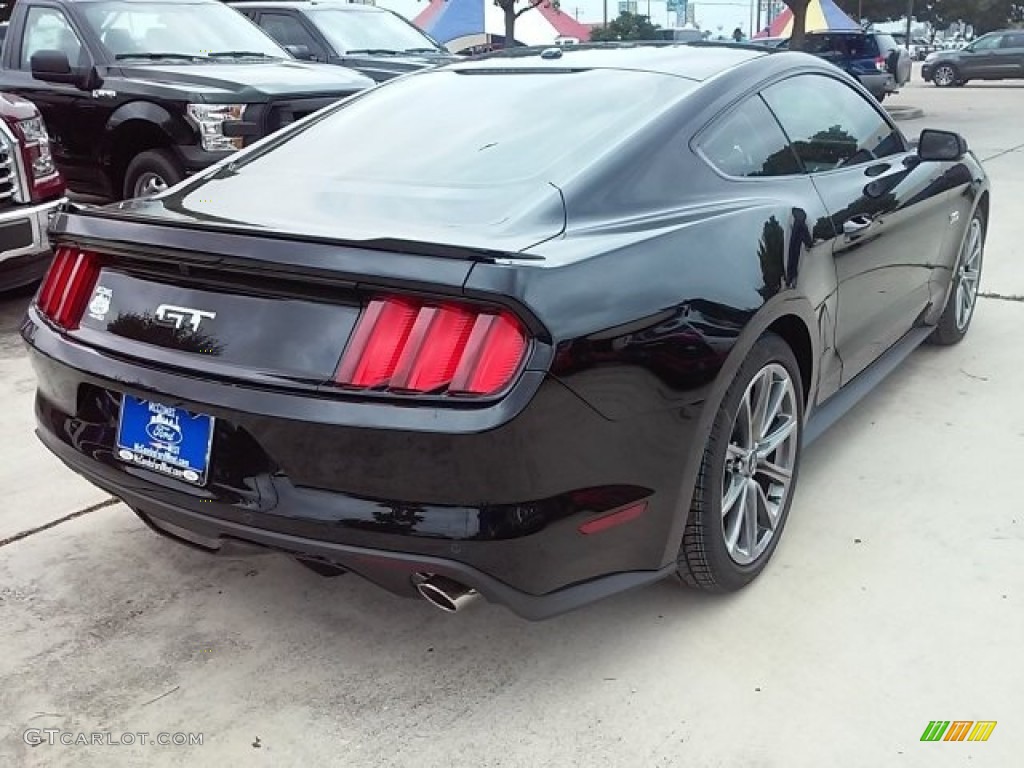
x=910, y=20
x=606, y=14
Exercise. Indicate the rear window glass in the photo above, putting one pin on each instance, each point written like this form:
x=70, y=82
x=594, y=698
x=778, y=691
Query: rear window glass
x=888, y=43
x=452, y=129
x=846, y=46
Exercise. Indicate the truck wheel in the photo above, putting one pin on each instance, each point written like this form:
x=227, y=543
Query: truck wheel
x=151, y=172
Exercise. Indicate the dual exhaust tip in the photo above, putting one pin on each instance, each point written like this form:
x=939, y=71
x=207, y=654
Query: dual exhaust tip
x=444, y=593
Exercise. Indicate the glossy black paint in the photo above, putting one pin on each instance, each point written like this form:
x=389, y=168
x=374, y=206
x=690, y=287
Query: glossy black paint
x=378, y=66
x=137, y=105
x=642, y=308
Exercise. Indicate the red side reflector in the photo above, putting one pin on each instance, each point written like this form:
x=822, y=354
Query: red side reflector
x=414, y=347
x=68, y=285
x=612, y=519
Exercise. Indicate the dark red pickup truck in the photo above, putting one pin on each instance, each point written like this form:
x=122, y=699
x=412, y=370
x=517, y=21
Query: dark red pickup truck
x=30, y=189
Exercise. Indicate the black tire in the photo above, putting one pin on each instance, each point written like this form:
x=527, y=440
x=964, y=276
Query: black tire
x=158, y=164
x=952, y=326
x=704, y=560
x=942, y=80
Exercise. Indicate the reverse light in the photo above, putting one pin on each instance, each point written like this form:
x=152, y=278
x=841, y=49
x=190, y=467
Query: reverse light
x=413, y=347
x=880, y=64
x=68, y=284
x=210, y=120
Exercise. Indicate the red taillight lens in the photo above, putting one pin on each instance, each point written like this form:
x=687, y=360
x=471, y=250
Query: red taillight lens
x=68, y=285
x=417, y=347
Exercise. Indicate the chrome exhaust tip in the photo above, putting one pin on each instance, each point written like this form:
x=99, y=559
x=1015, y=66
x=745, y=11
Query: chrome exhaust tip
x=444, y=593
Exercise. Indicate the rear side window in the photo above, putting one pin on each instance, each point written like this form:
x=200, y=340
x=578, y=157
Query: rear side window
x=845, y=46
x=1014, y=40
x=748, y=142
x=830, y=124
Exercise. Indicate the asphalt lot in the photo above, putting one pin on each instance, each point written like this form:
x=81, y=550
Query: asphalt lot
x=895, y=598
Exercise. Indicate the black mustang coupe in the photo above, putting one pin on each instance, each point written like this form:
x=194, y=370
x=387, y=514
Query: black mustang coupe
x=538, y=327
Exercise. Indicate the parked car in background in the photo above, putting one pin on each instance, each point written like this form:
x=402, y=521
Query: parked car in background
x=921, y=47
x=374, y=41
x=137, y=94
x=31, y=188
x=995, y=56
x=680, y=34
x=770, y=42
x=529, y=363
x=876, y=59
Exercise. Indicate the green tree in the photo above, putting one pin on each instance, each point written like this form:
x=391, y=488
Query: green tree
x=875, y=10
x=629, y=26
x=983, y=15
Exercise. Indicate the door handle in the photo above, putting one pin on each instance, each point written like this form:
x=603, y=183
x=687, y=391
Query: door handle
x=857, y=224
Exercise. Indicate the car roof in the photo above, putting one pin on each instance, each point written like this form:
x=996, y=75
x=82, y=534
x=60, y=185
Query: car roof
x=694, y=61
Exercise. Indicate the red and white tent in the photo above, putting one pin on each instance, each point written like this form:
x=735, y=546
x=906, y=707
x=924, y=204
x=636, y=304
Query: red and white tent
x=462, y=24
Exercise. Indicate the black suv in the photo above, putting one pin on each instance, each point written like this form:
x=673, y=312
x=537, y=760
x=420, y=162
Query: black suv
x=379, y=43
x=876, y=59
x=137, y=94
x=995, y=56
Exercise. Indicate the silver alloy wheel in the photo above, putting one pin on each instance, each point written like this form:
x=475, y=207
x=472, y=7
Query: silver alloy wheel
x=149, y=184
x=968, y=276
x=944, y=76
x=759, y=463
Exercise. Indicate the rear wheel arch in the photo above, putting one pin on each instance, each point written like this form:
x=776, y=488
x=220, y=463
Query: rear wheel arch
x=792, y=319
x=983, y=208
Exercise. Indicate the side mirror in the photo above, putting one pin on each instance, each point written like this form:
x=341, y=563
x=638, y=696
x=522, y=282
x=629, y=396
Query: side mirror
x=54, y=67
x=301, y=52
x=942, y=146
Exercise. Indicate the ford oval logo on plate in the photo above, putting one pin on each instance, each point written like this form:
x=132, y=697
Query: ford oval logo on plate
x=163, y=429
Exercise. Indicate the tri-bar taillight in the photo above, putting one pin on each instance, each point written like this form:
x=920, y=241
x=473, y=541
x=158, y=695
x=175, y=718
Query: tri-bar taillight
x=407, y=346
x=68, y=285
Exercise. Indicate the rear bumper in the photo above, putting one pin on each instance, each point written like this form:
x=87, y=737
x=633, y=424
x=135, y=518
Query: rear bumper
x=880, y=83
x=497, y=507
x=391, y=570
x=24, y=246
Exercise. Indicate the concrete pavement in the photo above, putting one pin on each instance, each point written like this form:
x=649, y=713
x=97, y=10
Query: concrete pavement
x=895, y=598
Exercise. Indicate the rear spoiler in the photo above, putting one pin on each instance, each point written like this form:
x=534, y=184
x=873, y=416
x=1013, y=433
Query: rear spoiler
x=71, y=220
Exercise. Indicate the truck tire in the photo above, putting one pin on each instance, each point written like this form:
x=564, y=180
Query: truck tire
x=151, y=172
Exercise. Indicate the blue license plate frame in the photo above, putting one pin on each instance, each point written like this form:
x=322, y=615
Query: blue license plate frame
x=165, y=439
